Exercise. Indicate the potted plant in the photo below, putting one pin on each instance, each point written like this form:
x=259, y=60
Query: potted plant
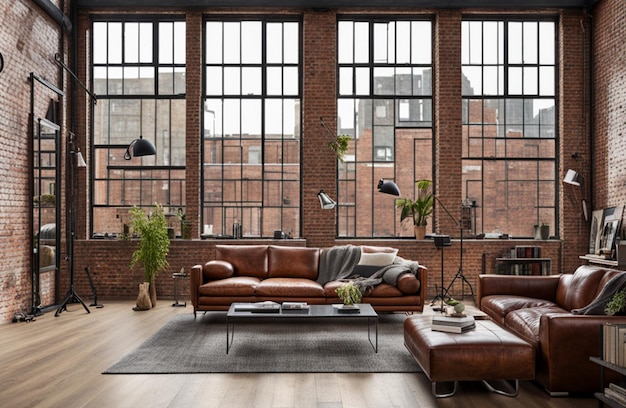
x=154, y=244
x=419, y=209
x=349, y=294
x=617, y=303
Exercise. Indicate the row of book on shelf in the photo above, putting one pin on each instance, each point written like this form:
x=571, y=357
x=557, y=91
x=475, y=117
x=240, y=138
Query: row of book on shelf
x=452, y=324
x=523, y=251
x=530, y=268
x=614, y=343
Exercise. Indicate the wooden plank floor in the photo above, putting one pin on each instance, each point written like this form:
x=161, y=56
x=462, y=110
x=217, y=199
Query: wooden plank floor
x=57, y=362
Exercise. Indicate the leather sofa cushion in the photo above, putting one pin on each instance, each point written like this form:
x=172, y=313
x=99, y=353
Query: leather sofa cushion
x=247, y=260
x=525, y=322
x=499, y=306
x=578, y=290
x=293, y=262
x=217, y=270
x=235, y=286
x=289, y=287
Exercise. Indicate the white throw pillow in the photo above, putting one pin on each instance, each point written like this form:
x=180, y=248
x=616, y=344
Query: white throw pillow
x=377, y=259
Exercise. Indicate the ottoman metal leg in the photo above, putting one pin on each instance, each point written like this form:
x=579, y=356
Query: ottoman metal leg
x=515, y=385
x=444, y=395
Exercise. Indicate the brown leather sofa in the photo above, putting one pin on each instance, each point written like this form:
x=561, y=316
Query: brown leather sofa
x=253, y=273
x=538, y=310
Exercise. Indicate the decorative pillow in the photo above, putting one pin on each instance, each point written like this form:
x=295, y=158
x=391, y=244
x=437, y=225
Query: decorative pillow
x=376, y=249
x=377, y=259
x=366, y=270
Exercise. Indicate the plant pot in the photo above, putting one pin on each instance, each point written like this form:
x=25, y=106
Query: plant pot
x=545, y=232
x=420, y=231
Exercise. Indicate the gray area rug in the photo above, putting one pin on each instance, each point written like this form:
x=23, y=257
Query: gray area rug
x=185, y=345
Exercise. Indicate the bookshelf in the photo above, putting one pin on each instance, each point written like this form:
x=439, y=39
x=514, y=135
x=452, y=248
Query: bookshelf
x=523, y=260
x=612, y=358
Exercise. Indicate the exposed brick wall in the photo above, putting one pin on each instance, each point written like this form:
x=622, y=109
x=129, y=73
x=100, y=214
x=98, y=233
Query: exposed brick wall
x=29, y=39
x=609, y=70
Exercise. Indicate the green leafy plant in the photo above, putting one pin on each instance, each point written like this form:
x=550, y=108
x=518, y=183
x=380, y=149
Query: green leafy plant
x=349, y=293
x=339, y=146
x=616, y=304
x=421, y=208
x=154, y=244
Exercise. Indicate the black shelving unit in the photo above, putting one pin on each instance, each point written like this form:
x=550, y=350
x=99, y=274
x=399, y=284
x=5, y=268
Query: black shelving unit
x=600, y=395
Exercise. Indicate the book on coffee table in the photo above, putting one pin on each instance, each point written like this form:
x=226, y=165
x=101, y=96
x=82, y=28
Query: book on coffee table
x=294, y=305
x=258, y=307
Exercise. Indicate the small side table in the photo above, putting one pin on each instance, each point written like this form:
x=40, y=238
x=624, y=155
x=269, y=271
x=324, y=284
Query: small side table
x=178, y=276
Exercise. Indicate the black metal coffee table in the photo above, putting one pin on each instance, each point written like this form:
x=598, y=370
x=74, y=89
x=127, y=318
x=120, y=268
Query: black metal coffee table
x=240, y=311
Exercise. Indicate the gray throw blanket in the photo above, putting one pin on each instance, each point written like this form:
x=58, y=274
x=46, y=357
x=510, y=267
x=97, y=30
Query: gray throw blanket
x=388, y=274
x=596, y=307
x=338, y=262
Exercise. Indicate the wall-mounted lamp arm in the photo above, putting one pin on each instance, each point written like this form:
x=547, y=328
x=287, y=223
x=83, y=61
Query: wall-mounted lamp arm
x=57, y=59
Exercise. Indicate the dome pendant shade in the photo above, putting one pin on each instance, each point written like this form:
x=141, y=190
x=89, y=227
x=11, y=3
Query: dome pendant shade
x=141, y=147
x=388, y=187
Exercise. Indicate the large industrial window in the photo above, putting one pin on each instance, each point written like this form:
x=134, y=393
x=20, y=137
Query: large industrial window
x=251, y=138
x=385, y=104
x=509, y=124
x=138, y=71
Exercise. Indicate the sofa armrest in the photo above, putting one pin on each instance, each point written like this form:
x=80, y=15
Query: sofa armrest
x=539, y=287
x=567, y=341
x=195, y=280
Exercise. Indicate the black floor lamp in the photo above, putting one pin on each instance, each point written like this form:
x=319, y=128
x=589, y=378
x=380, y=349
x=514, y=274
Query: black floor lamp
x=459, y=274
x=441, y=241
x=75, y=160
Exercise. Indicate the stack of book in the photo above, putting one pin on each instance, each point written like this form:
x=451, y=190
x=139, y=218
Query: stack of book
x=616, y=393
x=258, y=307
x=614, y=343
x=295, y=307
x=453, y=324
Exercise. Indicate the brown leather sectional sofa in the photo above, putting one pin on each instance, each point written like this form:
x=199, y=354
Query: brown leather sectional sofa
x=253, y=273
x=538, y=310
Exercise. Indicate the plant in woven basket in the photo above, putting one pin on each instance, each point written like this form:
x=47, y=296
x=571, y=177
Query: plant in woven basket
x=349, y=294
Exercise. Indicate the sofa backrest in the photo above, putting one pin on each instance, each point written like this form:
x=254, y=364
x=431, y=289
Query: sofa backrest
x=247, y=260
x=580, y=288
x=293, y=262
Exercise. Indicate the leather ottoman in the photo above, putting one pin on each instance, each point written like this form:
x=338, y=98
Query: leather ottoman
x=487, y=353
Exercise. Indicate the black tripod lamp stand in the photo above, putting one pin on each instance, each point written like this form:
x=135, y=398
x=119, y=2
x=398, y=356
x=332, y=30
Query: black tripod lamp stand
x=75, y=159
x=459, y=274
x=441, y=241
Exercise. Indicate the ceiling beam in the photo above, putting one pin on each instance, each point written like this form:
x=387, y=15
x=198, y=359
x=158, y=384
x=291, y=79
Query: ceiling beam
x=333, y=4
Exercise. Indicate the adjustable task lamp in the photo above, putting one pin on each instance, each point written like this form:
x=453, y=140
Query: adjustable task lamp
x=326, y=202
x=576, y=181
x=388, y=187
x=141, y=147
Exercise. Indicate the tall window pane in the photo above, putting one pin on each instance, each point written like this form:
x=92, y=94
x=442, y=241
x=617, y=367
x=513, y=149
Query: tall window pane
x=251, y=140
x=385, y=105
x=140, y=93
x=509, y=124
